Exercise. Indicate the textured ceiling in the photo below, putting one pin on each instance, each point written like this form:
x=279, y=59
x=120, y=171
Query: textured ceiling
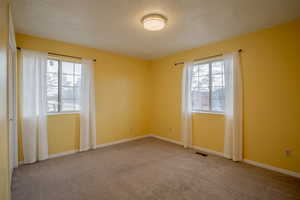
x=114, y=25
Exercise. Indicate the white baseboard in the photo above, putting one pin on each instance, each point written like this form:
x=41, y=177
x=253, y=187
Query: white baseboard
x=276, y=169
x=121, y=141
x=63, y=154
x=98, y=146
x=166, y=139
x=209, y=151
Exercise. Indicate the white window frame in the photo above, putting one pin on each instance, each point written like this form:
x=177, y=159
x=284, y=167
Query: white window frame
x=59, y=85
x=210, y=111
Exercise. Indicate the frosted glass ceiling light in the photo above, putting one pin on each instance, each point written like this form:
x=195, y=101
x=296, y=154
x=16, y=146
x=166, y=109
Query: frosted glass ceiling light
x=154, y=22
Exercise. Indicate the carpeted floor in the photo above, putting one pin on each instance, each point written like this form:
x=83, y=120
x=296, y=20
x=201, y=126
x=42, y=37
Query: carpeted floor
x=148, y=169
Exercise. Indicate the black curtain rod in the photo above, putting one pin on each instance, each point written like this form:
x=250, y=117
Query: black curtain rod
x=204, y=58
x=56, y=54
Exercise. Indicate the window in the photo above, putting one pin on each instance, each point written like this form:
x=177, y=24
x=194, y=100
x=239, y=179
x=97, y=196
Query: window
x=63, y=86
x=208, y=87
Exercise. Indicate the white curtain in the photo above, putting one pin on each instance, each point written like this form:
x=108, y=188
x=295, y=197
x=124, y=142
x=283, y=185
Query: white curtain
x=233, y=141
x=34, y=106
x=12, y=61
x=87, y=107
x=186, y=105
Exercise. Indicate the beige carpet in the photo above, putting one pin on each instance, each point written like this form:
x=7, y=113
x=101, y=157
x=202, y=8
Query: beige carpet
x=148, y=169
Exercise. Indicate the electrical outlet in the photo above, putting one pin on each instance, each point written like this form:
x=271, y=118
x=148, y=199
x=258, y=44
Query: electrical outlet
x=171, y=130
x=287, y=152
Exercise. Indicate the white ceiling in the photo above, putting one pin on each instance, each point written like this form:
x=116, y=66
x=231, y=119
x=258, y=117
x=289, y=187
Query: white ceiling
x=114, y=25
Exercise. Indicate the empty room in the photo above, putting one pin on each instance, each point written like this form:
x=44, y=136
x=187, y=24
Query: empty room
x=149, y=99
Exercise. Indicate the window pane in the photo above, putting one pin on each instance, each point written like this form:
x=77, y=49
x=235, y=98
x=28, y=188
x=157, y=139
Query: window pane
x=195, y=84
x=200, y=87
x=52, y=79
x=69, y=74
x=52, y=99
x=52, y=66
x=77, y=105
x=52, y=105
x=67, y=68
x=195, y=70
x=217, y=67
x=217, y=105
x=67, y=80
x=203, y=81
x=217, y=99
x=200, y=70
x=218, y=74
x=77, y=80
x=67, y=105
x=67, y=93
x=52, y=92
x=218, y=80
x=217, y=92
x=196, y=100
x=52, y=85
x=218, y=83
x=77, y=92
x=200, y=99
x=77, y=69
x=203, y=69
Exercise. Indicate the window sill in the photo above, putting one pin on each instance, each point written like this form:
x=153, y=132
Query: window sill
x=211, y=113
x=63, y=113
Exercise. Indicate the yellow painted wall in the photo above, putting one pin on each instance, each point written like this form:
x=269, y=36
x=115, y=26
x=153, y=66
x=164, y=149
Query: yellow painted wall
x=121, y=84
x=271, y=71
x=208, y=131
x=136, y=97
x=4, y=153
x=65, y=137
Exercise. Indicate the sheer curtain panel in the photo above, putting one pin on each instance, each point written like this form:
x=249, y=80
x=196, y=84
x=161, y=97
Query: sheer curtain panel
x=186, y=105
x=233, y=140
x=87, y=107
x=34, y=106
x=12, y=61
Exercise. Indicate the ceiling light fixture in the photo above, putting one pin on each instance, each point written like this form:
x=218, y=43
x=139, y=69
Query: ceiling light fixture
x=154, y=22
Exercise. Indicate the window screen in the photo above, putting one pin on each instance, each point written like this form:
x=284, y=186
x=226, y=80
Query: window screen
x=208, y=86
x=63, y=86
